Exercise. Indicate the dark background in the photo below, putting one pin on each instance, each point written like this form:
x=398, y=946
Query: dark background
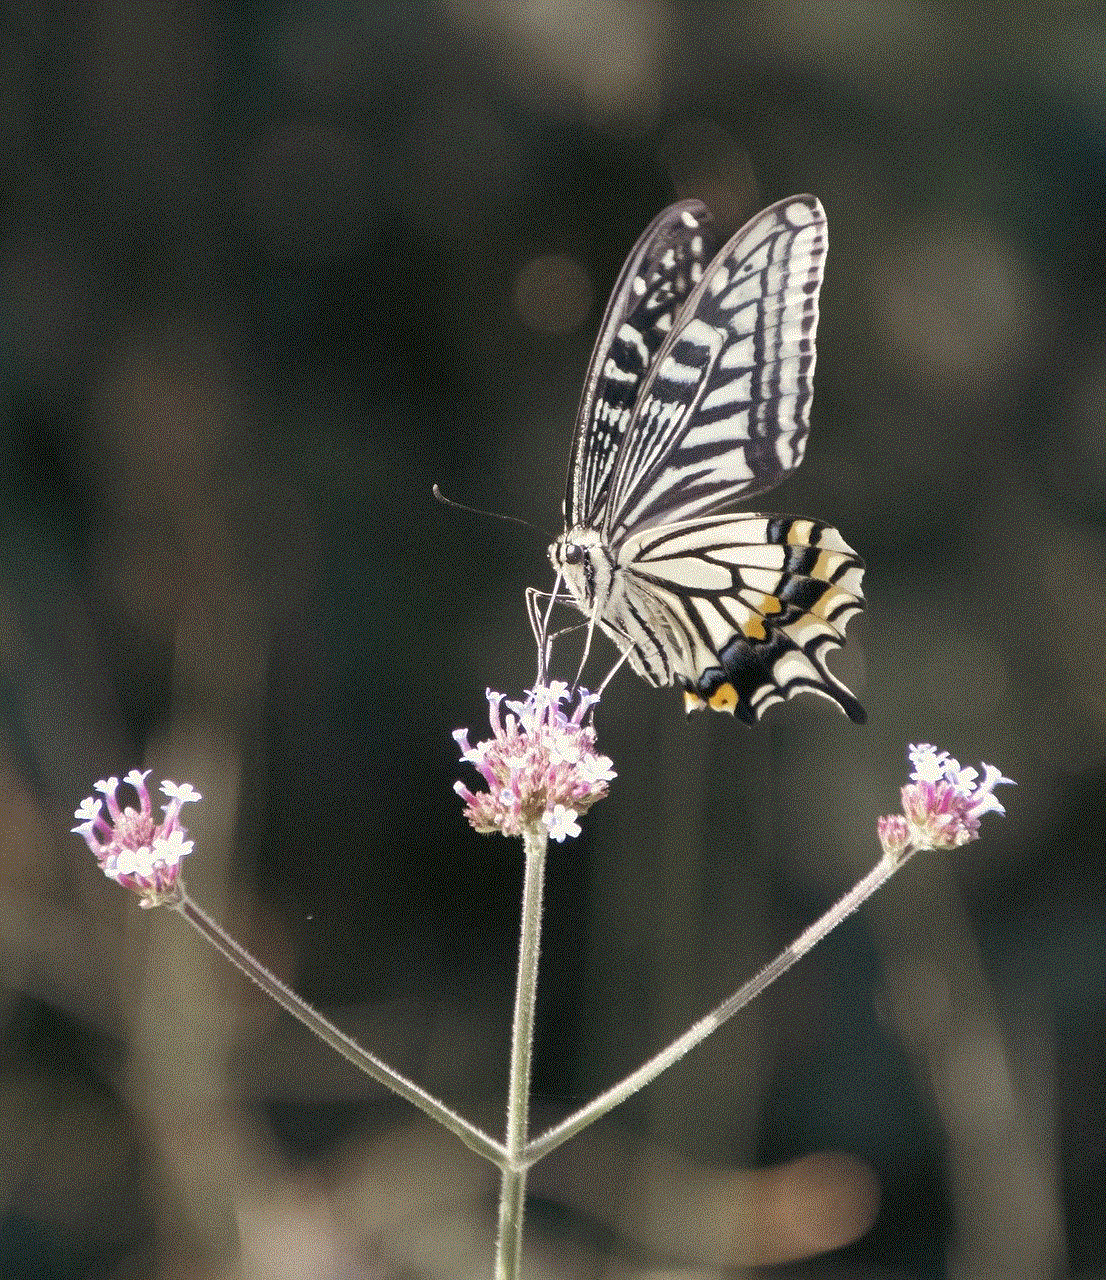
x=269, y=273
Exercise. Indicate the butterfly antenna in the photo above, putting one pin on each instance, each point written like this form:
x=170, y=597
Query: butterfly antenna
x=491, y=515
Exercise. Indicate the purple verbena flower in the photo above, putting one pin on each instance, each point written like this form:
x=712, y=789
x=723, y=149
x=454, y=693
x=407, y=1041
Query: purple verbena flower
x=941, y=805
x=131, y=848
x=540, y=765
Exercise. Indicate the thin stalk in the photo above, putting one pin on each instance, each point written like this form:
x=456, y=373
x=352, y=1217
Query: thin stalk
x=552, y=1138
x=468, y=1133
x=512, y=1194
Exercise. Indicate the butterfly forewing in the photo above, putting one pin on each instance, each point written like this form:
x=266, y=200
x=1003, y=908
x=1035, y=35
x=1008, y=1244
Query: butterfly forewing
x=665, y=266
x=724, y=411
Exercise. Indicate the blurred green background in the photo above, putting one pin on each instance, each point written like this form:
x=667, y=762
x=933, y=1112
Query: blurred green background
x=272, y=270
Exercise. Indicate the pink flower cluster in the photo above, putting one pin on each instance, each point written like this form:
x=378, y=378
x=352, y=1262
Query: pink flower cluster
x=132, y=849
x=541, y=766
x=941, y=805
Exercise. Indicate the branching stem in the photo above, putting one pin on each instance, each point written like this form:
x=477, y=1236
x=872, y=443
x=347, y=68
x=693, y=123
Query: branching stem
x=468, y=1133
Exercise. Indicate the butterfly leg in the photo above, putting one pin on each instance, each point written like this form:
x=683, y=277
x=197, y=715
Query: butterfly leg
x=587, y=647
x=613, y=671
x=539, y=623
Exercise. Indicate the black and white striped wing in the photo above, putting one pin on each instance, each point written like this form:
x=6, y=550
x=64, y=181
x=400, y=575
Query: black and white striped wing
x=665, y=266
x=724, y=410
x=741, y=611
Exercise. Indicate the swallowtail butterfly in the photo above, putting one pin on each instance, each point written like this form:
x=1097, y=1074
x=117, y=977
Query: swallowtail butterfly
x=698, y=395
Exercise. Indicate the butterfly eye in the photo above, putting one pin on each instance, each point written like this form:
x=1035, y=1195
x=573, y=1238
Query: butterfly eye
x=573, y=553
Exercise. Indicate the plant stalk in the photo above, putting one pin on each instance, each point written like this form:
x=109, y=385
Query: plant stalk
x=552, y=1138
x=288, y=1000
x=512, y=1196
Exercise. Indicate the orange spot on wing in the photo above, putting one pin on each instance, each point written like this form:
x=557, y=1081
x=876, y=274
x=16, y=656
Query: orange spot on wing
x=724, y=698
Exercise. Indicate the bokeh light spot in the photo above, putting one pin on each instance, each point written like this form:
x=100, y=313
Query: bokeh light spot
x=552, y=294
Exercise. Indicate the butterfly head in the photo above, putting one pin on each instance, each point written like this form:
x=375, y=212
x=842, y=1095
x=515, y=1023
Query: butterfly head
x=584, y=563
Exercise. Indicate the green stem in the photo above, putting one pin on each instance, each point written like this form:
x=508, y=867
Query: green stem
x=552, y=1138
x=468, y=1133
x=512, y=1195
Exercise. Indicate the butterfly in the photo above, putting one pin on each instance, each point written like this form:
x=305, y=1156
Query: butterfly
x=698, y=395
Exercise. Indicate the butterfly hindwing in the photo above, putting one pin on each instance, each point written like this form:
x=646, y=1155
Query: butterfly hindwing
x=749, y=607
x=665, y=266
x=724, y=412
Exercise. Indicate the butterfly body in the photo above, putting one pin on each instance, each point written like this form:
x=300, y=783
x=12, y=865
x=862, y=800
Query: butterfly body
x=698, y=395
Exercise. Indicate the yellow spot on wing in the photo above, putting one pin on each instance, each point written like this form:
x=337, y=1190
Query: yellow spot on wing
x=826, y=565
x=799, y=533
x=724, y=698
x=692, y=701
x=753, y=627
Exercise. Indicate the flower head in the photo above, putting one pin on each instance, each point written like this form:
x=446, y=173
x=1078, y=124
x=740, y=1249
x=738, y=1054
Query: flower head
x=941, y=805
x=540, y=765
x=131, y=848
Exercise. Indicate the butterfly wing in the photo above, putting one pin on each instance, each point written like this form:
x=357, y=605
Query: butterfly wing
x=665, y=266
x=739, y=610
x=724, y=411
